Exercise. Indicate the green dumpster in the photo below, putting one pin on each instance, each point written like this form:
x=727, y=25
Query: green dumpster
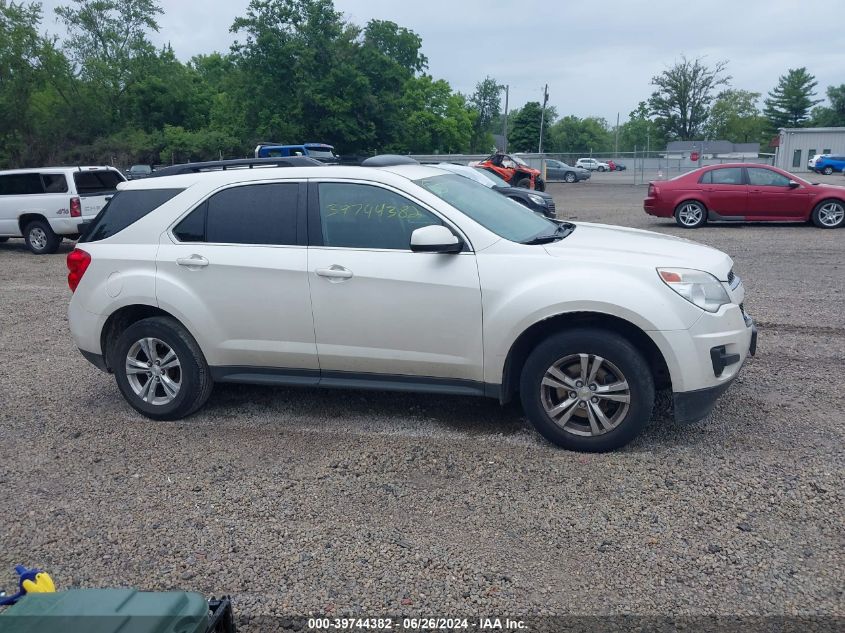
x=107, y=611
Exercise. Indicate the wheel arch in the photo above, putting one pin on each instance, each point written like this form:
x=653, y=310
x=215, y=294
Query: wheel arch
x=26, y=218
x=122, y=318
x=539, y=331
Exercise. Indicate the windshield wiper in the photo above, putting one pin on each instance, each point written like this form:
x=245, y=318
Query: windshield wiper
x=563, y=230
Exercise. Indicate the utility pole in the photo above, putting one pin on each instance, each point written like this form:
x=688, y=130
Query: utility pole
x=543, y=115
x=505, y=121
x=616, y=144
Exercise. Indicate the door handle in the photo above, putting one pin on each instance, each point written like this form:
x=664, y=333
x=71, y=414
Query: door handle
x=194, y=261
x=334, y=272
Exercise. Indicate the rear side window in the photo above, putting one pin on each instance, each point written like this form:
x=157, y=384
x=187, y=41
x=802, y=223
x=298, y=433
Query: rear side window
x=125, y=208
x=727, y=176
x=249, y=214
x=88, y=182
x=706, y=178
x=20, y=184
x=54, y=183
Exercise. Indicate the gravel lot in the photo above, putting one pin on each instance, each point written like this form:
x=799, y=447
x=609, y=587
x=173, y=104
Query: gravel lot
x=298, y=500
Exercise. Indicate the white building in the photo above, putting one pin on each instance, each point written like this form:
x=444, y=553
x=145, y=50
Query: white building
x=797, y=145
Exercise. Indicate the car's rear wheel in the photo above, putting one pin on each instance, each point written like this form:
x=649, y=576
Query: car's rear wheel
x=587, y=390
x=525, y=183
x=160, y=369
x=829, y=214
x=690, y=214
x=569, y=177
x=40, y=238
x=827, y=171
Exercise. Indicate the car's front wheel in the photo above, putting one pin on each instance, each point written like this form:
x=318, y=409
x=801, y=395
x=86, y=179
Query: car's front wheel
x=829, y=214
x=539, y=184
x=690, y=214
x=160, y=369
x=587, y=390
x=40, y=238
x=569, y=177
x=525, y=183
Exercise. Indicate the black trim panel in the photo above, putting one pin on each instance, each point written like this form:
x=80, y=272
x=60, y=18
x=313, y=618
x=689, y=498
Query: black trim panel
x=95, y=359
x=692, y=406
x=352, y=380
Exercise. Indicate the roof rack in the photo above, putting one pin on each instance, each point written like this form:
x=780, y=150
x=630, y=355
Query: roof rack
x=238, y=163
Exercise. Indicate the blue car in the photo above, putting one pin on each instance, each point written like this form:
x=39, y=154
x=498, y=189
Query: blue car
x=828, y=163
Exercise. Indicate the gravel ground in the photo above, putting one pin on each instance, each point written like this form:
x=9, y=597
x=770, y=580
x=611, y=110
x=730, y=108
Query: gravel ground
x=339, y=502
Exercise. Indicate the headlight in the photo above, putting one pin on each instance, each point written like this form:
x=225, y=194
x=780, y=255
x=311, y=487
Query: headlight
x=696, y=286
x=537, y=199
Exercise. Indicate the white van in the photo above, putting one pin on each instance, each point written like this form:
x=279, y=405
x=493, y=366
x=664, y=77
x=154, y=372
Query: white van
x=44, y=205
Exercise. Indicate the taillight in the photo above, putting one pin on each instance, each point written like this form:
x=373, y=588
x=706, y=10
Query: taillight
x=651, y=189
x=75, y=208
x=77, y=264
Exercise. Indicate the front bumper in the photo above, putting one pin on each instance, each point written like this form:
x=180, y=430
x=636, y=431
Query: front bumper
x=695, y=405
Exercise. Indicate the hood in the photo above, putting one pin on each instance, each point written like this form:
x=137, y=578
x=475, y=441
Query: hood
x=640, y=248
x=507, y=190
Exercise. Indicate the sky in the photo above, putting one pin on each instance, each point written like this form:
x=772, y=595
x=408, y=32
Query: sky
x=597, y=57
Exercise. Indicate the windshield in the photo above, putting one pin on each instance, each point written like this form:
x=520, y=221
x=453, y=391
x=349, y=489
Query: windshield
x=497, y=182
x=321, y=153
x=140, y=169
x=519, y=161
x=492, y=210
x=96, y=181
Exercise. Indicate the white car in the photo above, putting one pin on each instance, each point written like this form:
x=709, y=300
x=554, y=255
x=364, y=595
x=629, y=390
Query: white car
x=45, y=205
x=592, y=164
x=401, y=278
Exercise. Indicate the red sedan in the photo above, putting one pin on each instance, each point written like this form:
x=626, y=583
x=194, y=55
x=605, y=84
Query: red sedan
x=743, y=192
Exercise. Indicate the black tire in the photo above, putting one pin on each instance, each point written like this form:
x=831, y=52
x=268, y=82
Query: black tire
x=601, y=168
x=684, y=211
x=827, y=171
x=539, y=184
x=570, y=177
x=617, y=355
x=195, y=381
x=40, y=238
x=829, y=214
x=525, y=183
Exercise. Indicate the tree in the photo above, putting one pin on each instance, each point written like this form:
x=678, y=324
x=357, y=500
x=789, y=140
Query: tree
x=524, y=135
x=640, y=132
x=834, y=114
x=684, y=92
x=486, y=101
x=735, y=117
x=572, y=134
x=789, y=103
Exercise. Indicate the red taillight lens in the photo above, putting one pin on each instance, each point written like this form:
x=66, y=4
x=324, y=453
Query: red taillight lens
x=77, y=264
x=75, y=208
x=652, y=190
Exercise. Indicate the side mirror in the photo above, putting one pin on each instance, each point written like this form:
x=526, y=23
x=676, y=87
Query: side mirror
x=793, y=184
x=435, y=238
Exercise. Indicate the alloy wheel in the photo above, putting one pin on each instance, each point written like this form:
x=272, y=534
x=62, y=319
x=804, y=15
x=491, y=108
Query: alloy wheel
x=585, y=394
x=153, y=371
x=690, y=214
x=831, y=213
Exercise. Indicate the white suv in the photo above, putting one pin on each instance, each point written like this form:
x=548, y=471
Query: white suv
x=592, y=164
x=404, y=278
x=45, y=205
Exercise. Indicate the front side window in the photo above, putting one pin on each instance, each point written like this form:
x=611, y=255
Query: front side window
x=727, y=176
x=20, y=184
x=492, y=210
x=364, y=216
x=250, y=214
x=766, y=178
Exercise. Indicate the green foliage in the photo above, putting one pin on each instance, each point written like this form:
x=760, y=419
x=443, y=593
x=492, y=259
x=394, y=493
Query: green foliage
x=571, y=135
x=524, y=132
x=789, y=103
x=640, y=132
x=834, y=114
x=486, y=102
x=684, y=93
x=735, y=117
